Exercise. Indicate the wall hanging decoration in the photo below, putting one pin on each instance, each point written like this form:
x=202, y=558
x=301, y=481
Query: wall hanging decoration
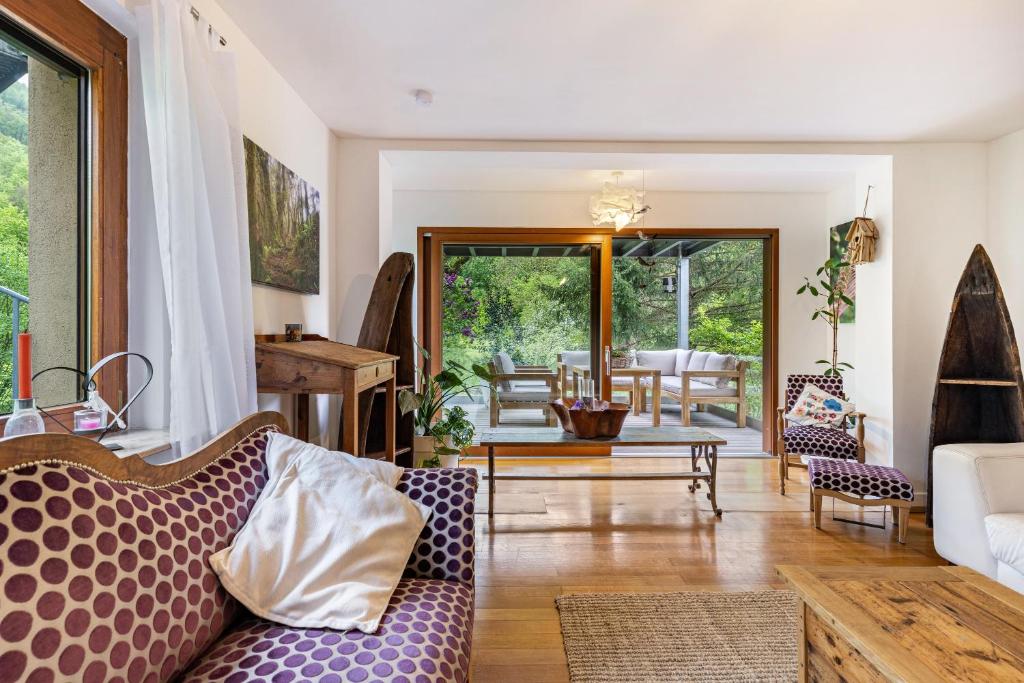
x=284, y=224
x=617, y=205
x=861, y=237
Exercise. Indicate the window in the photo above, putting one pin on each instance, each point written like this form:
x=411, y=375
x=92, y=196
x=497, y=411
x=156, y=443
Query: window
x=63, y=199
x=43, y=221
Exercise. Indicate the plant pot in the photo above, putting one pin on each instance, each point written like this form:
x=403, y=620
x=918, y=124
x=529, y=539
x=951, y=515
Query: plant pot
x=423, y=450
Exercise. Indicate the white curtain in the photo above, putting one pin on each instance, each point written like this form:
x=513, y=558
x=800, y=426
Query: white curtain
x=190, y=102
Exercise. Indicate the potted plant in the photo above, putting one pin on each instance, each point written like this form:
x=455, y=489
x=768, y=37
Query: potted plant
x=442, y=432
x=828, y=292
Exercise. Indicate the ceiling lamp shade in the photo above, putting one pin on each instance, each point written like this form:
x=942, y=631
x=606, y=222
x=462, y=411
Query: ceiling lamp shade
x=618, y=206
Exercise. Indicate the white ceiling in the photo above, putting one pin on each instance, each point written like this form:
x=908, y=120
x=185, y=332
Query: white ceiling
x=585, y=172
x=743, y=70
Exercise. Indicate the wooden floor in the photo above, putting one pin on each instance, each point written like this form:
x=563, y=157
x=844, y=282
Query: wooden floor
x=553, y=537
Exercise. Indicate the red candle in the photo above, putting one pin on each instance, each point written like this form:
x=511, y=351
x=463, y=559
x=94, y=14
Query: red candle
x=25, y=365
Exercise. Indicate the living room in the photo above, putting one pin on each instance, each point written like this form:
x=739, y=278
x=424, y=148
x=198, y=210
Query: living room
x=238, y=218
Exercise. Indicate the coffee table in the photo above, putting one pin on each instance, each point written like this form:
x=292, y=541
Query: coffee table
x=702, y=443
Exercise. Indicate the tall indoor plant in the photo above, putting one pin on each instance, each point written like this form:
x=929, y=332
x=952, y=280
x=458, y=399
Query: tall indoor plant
x=442, y=432
x=830, y=300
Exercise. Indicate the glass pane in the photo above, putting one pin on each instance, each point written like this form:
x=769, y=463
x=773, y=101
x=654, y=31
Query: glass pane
x=40, y=218
x=531, y=302
x=692, y=293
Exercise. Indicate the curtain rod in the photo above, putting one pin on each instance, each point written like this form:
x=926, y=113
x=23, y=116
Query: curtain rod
x=196, y=16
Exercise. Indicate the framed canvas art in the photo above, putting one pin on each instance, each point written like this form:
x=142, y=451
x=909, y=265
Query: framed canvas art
x=837, y=249
x=284, y=224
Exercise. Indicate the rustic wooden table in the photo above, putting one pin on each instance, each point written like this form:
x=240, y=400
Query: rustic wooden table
x=703, y=445
x=318, y=366
x=906, y=624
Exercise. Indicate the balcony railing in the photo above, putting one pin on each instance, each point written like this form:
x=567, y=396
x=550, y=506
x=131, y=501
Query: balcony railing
x=16, y=302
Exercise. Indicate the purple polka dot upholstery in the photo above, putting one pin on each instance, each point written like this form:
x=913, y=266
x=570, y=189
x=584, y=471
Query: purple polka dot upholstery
x=795, y=385
x=108, y=581
x=822, y=441
x=425, y=635
x=859, y=479
x=445, y=546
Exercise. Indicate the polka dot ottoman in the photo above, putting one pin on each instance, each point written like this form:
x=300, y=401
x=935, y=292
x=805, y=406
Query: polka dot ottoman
x=106, y=579
x=861, y=484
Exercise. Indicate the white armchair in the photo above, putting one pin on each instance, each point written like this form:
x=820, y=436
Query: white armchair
x=978, y=508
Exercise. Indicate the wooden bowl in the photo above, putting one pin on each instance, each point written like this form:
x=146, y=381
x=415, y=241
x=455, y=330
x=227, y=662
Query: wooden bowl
x=592, y=424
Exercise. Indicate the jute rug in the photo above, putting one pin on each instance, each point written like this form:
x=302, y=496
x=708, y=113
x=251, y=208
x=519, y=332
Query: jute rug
x=669, y=637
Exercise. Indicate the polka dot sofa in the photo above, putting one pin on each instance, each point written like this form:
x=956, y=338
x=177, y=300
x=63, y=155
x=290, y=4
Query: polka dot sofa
x=104, y=573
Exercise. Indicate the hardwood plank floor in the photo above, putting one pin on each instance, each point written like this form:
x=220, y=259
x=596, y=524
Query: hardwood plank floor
x=647, y=536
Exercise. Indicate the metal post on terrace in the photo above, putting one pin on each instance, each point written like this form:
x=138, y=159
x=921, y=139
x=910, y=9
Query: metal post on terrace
x=16, y=301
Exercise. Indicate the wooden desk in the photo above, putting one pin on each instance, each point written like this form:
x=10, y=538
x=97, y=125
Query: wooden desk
x=703, y=444
x=865, y=623
x=316, y=365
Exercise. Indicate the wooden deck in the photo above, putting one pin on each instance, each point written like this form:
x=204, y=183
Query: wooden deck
x=744, y=442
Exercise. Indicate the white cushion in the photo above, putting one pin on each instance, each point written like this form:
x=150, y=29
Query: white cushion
x=674, y=384
x=717, y=362
x=505, y=364
x=658, y=360
x=524, y=396
x=572, y=358
x=325, y=544
x=682, y=360
x=529, y=386
x=286, y=447
x=816, y=407
x=1006, y=538
x=698, y=359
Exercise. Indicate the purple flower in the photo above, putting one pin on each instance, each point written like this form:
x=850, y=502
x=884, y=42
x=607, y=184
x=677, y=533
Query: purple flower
x=450, y=278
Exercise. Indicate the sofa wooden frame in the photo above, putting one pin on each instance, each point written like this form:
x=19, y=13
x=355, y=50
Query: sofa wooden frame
x=19, y=451
x=685, y=399
x=524, y=373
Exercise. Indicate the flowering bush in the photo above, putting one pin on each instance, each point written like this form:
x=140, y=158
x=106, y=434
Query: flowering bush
x=461, y=307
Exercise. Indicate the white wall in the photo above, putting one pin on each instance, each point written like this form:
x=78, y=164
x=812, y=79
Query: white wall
x=800, y=218
x=1005, y=242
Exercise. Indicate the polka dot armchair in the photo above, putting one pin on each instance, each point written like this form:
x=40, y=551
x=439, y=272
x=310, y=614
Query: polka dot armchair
x=104, y=573
x=810, y=440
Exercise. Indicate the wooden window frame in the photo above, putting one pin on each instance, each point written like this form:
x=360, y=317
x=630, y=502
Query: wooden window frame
x=73, y=29
x=430, y=241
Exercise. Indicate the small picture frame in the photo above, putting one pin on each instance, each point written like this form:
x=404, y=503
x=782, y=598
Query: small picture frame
x=293, y=332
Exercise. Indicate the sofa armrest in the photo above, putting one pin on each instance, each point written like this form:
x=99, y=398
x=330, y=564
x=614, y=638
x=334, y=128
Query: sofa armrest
x=445, y=549
x=970, y=482
x=548, y=378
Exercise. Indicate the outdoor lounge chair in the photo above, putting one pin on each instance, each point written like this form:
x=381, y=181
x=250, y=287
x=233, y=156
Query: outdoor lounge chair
x=699, y=377
x=521, y=387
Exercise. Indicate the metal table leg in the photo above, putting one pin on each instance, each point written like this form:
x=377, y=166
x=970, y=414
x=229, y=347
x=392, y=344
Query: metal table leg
x=711, y=456
x=490, y=481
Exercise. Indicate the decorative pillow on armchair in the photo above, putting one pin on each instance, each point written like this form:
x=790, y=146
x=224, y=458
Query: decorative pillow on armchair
x=816, y=407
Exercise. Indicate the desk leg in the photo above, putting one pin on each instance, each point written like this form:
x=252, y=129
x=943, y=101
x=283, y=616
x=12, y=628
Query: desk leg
x=350, y=414
x=389, y=421
x=696, y=452
x=656, y=400
x=490, y=481
x=711, y=455
x=301, y=423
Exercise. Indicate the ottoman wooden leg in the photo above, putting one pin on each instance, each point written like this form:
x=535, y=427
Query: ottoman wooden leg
x=904, y=523
x=817, y=508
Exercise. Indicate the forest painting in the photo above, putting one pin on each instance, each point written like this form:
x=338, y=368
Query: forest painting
x=284, y=224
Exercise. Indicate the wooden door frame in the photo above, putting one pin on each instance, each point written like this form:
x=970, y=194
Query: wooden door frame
x=430, y=241
x=76, y=31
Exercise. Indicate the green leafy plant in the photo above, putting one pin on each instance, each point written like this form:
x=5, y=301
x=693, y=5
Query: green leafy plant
x=830, y=300
x=431, y=415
